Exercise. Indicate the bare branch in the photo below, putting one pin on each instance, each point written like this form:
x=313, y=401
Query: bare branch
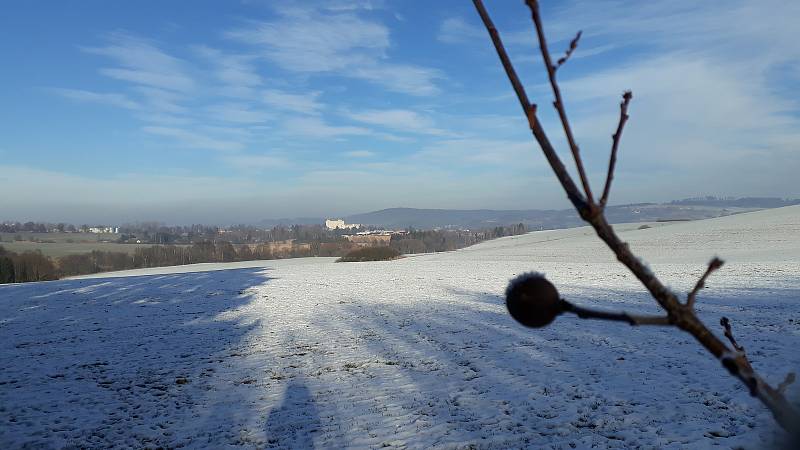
x=786, y=382
x=623, y=117
x=729, y=334
x=630, y=319
x=713, y=265
x=559, y=103
x=504, y=59
x=572, y=46
x=529, y=109
x=680, y=315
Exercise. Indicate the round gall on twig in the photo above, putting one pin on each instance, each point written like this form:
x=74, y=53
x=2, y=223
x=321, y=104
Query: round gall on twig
x=532, y=300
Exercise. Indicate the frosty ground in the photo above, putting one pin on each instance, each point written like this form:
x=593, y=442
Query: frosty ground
x=413, y=353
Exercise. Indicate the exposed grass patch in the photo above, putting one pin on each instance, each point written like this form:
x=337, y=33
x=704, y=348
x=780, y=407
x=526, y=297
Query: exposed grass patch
x=370, y=254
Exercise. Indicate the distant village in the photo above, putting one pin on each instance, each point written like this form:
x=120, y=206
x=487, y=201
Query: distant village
x=330, y=237
x=366, y=237
x=279, y=238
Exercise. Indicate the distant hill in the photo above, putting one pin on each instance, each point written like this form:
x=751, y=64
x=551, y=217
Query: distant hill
x=688, y=209
x=743, y=202
x=685, y=209
x=399, y=218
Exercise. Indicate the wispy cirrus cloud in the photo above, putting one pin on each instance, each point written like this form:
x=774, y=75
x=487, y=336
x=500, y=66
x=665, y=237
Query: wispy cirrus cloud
x=480, y=152
x=112, y=99
x=736, y=28
x=239, y=113
x=302, y=40
x=397, y=119
x=236, y=73
x=360, y=154
x=459, y=31
x=257, y=163
x=352, y=5
x=159, y=80
x=403, y=78
x=161, y=92
x=193, y=139
x=161, y=101
x=306, y=103
x=183, y=93
x=313, y=127
x=141, y=62
x=456, y=30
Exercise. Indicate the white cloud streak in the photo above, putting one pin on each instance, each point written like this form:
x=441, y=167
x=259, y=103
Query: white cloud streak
x=143, y=63
x=300, y=103
x=360, y=154
x=194, y=140
x=312, y=127
x=238, y=113
x=455, y=30
x=397, y=119
x=257, y=163
x=112, y=99
x=341, y=43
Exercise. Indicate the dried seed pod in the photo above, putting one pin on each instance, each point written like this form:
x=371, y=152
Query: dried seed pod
x=532, y=300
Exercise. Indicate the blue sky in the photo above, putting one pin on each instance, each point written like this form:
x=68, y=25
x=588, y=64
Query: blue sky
x=223, y=112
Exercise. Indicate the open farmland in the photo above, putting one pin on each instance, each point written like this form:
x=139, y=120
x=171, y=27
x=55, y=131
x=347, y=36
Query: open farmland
x=61, y=244
x=56, y=237
x=413, y=353
x=65, y=248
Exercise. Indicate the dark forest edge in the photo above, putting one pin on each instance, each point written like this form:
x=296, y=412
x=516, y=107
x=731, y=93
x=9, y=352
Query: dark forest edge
x=370, y=254
x=31, y=266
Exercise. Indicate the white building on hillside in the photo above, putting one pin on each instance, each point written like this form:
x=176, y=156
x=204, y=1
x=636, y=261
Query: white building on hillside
x=99, y=230
x=338, y=224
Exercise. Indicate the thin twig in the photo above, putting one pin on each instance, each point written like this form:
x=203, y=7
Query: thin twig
x=729, y=334
x=572, y=46
x=713, y=265
x=529, y=109
x=559, y=103
x=786, y=382
x=504, y=59
x=750, y=378
x=630, y=319
x=612, y=161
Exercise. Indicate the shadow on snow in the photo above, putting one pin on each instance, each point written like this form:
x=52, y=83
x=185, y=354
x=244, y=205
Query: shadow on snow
x=78, y=357
x=576, y=382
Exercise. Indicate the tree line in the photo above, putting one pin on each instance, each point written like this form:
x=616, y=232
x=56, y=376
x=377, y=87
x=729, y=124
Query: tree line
x=27, y=266
x=35, y=266
x=427, y=241
x=156, y=233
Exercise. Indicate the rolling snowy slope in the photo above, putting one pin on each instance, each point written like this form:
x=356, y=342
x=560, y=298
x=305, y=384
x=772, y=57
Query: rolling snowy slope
x=413, y=353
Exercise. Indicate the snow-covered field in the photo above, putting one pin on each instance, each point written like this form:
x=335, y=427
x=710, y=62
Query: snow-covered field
x=413, y=353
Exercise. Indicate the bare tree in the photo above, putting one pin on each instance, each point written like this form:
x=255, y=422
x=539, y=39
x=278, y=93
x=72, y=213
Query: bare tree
x=535, y=302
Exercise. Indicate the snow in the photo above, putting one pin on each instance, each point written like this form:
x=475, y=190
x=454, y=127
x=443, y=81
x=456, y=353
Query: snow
x=412, y=353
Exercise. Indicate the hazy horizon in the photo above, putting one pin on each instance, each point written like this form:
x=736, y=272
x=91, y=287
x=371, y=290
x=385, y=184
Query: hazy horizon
x=240, y=112
x=129, y=218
